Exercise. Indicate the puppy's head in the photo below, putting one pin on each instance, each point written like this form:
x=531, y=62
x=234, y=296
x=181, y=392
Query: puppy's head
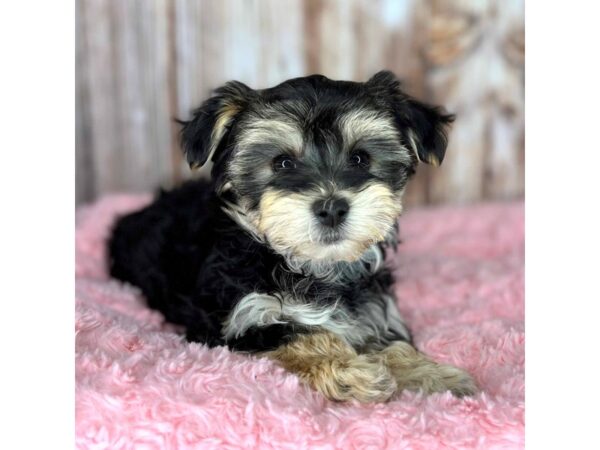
x=316, y=168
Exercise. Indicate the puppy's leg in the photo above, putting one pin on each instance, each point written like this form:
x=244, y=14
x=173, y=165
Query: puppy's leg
x=414, y=371
x=332, y=367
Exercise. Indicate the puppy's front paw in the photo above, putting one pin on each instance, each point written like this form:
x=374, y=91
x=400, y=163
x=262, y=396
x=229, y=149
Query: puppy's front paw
x=414, y=371
x=335, y=369
x=450, y=378
x=360, y=378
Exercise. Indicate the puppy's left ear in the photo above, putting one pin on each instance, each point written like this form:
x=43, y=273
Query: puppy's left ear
x=423, y=127
x=201, y=136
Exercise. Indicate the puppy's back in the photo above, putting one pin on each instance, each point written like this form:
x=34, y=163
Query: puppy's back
x=160, y=247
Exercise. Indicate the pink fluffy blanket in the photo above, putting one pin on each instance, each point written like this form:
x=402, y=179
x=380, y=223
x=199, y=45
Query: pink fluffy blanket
x=460, y=280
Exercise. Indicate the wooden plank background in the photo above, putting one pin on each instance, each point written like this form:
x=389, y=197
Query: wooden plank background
x=140, y=63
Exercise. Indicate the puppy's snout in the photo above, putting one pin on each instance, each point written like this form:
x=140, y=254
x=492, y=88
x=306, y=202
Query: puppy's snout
x=331, y=212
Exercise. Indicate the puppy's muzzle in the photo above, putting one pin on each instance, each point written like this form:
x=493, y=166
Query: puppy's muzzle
x=331, y=212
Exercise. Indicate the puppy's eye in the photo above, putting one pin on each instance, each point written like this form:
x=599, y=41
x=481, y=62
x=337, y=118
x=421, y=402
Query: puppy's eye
x=284, y=162
x=359, y=159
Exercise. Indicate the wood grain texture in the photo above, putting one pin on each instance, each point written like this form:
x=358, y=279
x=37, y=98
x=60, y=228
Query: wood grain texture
x=473, y=51
x=141, y=63
x=96, y=24
x=84, y=154
x=141, y=70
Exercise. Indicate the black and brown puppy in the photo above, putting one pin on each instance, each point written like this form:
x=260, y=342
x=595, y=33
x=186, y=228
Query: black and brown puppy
x=282, y=252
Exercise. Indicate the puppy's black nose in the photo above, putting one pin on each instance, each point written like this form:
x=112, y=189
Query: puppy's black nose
x=331, y=212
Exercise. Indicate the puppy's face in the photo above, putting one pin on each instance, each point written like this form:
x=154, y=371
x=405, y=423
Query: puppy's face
x=315, y=167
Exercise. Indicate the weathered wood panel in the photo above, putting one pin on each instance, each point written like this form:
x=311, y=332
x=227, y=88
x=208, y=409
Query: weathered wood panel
x=95, y=70
x=142, y=63
x=474, y=56
x=141, y=69
x=124, y=69
x=85, y=170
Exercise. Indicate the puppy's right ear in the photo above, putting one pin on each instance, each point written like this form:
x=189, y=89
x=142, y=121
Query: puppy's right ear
x=201, y=135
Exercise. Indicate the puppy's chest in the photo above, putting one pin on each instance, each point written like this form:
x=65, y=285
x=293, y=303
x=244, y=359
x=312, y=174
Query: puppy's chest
x=251, y=267
x=345, y=283
x=350, y=300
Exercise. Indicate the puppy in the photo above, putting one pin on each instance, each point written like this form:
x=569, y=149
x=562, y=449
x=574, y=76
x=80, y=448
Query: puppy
x=282, y=253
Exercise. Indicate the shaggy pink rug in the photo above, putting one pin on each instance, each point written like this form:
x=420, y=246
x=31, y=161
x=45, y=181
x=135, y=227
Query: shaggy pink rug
x=460, y=278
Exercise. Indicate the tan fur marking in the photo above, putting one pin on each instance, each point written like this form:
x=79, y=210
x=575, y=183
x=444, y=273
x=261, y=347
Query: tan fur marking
x=333, y=368
x=375, y=209
x=224, y=117
x=414, y=371
x=413, y=143
x=360, y=124
x=433, y=160
x=288, y=222
x=275, y=132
